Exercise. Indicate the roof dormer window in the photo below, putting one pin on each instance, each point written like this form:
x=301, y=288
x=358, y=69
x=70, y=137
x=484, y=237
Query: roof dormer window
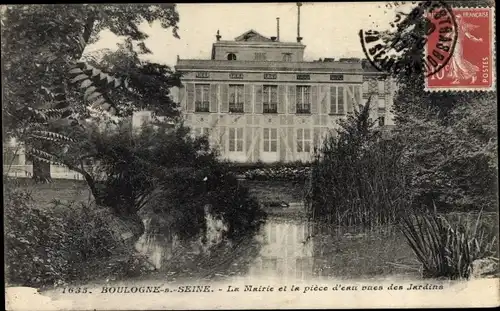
x=231, y=56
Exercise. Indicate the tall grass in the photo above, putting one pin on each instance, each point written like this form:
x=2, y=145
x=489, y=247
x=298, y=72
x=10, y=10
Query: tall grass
x=447, y=248
x=356, y=178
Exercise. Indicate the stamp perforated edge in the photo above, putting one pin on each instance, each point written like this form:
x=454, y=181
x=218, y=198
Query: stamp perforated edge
x=493, y=60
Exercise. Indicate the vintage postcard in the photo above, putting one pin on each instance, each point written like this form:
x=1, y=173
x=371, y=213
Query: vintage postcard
x=250, y=155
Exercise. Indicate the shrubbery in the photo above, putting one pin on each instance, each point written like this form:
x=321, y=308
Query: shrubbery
x=174, y=175
x=197, y=179
x=364, y=178
x=55, y=246
x=282, y=172
x=357, y=178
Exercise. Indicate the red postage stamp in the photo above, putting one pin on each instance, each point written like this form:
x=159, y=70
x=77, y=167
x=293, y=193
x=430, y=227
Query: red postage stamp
x=471, y=65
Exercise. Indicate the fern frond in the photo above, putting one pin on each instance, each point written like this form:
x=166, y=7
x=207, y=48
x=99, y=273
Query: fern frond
x=44, y=156
x=79, y=77
x=52, y=136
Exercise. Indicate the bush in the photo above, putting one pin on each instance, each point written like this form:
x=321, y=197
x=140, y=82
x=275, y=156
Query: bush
x=56, y=246
x=177, y=176
x=183, y=202
x=448, y=249
x=357, y=178
x=289, y=173
x=37, y=244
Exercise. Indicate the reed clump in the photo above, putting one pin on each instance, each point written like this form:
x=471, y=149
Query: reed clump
x=356, y=178
x=447, y=246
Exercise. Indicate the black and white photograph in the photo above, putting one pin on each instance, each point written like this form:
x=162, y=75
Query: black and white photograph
x=250, y=155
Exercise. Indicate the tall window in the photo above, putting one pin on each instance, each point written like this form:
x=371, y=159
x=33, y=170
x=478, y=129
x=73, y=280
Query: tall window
x=260, y=56
x=287, y=57
x=202, y=97
x=236, y=98
x=304, y=140
x=270, y=100
x=381, y=86
x=366, y=87
x=270, y=140
x=303, y=99
x=337, y=100
x=236, y=139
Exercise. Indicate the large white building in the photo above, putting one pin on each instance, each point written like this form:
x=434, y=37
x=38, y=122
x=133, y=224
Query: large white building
x=258, y=100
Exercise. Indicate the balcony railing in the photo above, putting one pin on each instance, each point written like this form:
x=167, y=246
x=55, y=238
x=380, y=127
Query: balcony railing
x=235, y=107
x=201, y=107
x=303, y=108
x=270, y=108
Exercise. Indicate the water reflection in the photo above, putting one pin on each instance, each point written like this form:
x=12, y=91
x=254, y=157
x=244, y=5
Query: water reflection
x=286, y=249
x=286, y=253
x=299, y=250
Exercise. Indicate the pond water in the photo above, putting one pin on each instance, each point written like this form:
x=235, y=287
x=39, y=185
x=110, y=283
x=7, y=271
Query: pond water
x=288, y=250
x=288, y=247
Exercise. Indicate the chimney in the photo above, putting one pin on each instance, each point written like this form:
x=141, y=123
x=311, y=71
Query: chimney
x=218, y=36
x=277, y=29
x=299, y=38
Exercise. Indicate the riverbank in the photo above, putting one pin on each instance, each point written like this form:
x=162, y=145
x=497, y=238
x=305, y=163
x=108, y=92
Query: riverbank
x=66, y=190
x=286, y=247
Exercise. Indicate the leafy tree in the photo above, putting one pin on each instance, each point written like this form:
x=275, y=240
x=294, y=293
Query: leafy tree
x=148, y=83
x=164, y=168
x=42, y=46
x=449, y=137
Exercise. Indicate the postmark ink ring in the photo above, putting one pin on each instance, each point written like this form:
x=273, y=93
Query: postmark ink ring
x=404, y=49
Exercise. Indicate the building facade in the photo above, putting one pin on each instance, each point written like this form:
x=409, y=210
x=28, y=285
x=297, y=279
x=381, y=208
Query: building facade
x=258, y=100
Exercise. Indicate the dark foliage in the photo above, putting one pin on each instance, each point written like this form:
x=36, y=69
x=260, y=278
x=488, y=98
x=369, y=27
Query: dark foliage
x=357, y=177
x=46, y=247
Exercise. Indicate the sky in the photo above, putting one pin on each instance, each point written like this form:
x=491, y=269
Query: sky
x=328, y=29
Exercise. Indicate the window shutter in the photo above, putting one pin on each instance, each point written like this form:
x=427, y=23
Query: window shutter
x=248, y=143
x=357, y=95
x=241, y=139
x=247, y=106
x=291, y=144
x=190, y=97
x=223, y=139
x=281, y=98
x=316, y=138
x=258, y=99
x=213, y=98
x=256, y=146
x=282, y=143
x=291, y=99
x=323, y=100
x=333, y=99
x=314, y=99
x=349, y=98
x=225, y=98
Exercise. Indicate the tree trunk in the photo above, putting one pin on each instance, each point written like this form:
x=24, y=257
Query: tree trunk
x=41, y=171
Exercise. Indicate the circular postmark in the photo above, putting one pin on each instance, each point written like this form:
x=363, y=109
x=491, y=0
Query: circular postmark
x=421, y=41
